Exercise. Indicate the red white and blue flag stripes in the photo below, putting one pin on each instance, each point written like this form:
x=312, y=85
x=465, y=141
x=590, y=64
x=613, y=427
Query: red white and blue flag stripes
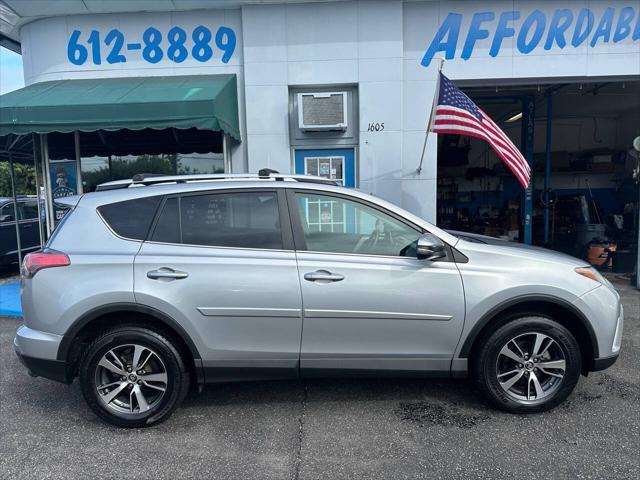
x=454, y=112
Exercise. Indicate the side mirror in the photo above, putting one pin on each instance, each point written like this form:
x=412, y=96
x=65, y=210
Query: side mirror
x=6, y=218
x=430, y=247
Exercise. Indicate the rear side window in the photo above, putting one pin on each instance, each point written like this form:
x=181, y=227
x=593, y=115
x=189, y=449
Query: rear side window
x=168, y=227
x=236, y=220
x=131, y=218
x=29, y=210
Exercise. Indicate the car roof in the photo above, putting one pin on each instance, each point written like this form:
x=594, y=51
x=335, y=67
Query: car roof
x=19, y=197
x=131, y=190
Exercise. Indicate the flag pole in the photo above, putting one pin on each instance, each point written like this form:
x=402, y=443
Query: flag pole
x=433, y=107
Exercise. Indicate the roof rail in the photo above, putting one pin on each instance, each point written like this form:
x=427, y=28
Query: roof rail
x=263, y=175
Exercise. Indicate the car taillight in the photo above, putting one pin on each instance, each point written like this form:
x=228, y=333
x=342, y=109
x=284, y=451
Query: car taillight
x=45, y=259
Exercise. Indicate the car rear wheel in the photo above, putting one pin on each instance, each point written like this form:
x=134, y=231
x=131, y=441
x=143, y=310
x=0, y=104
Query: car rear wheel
x=132, y=376
x=530, y=364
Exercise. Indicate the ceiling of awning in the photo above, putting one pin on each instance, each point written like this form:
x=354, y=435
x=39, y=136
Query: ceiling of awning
x=204, y=102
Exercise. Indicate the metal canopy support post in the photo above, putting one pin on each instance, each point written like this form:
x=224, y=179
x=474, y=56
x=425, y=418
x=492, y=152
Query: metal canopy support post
x=226, y=153
x=47, y=183
x=36, y=145
x=528, y=122
x=547, y=166
x=16, y=219
x=76, y=141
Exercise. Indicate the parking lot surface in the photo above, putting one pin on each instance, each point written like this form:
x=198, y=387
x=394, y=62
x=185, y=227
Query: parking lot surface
x=335, y=429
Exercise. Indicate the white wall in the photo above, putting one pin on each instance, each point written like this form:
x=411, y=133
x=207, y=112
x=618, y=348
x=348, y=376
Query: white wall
x=341, y=43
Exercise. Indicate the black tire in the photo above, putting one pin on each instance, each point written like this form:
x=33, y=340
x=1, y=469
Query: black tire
x=486, y=366
x=177, y=384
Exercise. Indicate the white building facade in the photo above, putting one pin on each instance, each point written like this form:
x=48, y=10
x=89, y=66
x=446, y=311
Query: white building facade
x=382, y=54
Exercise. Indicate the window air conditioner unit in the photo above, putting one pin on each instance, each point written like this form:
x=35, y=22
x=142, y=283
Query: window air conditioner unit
x=322, y=111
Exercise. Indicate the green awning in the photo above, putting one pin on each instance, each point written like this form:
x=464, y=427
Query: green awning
x=206, y=102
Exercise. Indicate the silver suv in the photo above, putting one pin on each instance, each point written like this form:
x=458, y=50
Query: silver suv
x=151, y=285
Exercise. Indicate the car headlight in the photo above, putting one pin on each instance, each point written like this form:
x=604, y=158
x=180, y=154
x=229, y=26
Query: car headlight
x=595, y=275
x=592, y=274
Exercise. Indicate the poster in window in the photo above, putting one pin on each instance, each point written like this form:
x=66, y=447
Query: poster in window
x=64, y=183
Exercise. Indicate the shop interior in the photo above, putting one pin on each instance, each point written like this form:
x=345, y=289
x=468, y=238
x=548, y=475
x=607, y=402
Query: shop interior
x=589, y=188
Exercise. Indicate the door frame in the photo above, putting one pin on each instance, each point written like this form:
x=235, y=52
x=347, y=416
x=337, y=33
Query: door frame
x=434, y=365
x=209, y=372
x=353, y=148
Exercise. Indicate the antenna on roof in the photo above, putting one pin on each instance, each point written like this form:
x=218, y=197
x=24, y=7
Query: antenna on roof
x=266, y=172
x=141, y=177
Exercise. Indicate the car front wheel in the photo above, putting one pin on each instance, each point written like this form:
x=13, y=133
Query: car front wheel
x=530, y=364
x=132, y=376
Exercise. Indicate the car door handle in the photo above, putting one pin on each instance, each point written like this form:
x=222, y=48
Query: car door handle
x=166, y=273
x=323, y=275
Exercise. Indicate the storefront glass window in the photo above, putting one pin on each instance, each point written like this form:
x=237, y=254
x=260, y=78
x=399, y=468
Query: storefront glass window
x=97, y=169
x=107, y=156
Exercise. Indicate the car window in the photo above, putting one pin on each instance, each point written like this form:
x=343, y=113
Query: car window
x=235, y=219
x=167, y=228
x=28, y=210
x=337, y=225
x=131, y=218
x=6, y=212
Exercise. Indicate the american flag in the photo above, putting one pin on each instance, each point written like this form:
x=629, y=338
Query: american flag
x=454, y=112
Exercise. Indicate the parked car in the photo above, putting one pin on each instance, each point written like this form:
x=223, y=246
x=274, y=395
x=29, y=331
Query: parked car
x=150, y=286
x=27, y=222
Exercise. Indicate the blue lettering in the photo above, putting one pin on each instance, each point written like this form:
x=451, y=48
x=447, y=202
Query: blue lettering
x=623, y=27
x=476, y=33
x=559, y=24
x=604, y=27
x=636, y=32
x=450, y=29
x=579, y=35
x=503, y=31
x=539, y=19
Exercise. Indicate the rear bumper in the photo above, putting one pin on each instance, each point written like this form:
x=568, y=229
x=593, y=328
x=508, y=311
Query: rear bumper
x=40, y=367
x=37, y=351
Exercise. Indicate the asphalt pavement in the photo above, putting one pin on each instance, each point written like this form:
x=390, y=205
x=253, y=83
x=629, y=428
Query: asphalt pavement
x=333, y=429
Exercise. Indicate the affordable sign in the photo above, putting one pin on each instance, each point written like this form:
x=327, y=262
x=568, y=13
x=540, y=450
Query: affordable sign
x=565, y=28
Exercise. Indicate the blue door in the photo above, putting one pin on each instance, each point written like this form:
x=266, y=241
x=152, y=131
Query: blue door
x=335, y=163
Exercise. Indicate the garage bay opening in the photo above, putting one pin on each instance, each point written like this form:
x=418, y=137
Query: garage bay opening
x=584, y=198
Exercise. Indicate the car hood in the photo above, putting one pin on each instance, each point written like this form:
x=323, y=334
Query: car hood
x=514, y=248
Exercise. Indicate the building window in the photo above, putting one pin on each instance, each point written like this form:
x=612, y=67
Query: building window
x=107, y=156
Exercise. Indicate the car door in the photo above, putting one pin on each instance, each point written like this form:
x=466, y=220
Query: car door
x=8, y=243
x=29, y=231
x=369, y=303
x=222, y=264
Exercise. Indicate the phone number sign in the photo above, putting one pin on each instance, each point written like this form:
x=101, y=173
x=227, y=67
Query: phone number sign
x=177, y=45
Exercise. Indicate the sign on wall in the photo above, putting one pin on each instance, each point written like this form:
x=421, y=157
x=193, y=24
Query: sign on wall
x=131, y=44
x=564, y=28
x=177, y=45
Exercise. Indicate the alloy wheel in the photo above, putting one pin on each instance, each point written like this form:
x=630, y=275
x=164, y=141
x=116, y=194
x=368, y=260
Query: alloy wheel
x=131, y=379
x=531, y=367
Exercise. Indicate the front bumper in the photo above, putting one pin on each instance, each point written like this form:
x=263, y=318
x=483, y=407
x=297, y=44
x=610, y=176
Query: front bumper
x=604, y=313
x=38, y=351
x=604, y=363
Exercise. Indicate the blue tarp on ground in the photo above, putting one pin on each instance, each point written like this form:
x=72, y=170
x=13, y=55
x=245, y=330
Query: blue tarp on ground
x=10, y=299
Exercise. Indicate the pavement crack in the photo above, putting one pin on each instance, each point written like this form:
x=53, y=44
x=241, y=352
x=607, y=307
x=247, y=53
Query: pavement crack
x=301, y=418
